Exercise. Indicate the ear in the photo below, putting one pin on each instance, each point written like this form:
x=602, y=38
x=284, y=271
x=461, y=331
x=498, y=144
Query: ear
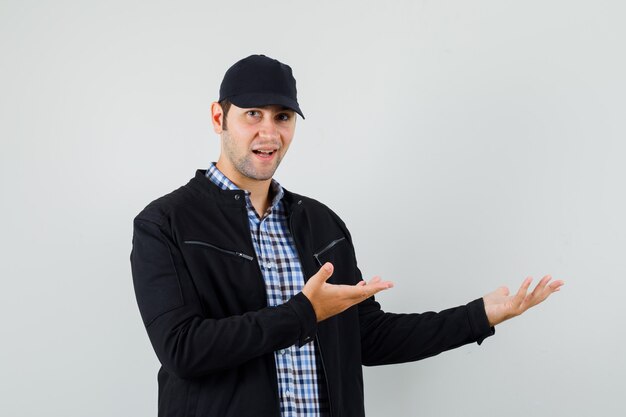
x=217, y=117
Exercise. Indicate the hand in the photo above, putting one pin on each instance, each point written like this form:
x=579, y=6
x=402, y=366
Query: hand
x=499, y=306
x=329, y=299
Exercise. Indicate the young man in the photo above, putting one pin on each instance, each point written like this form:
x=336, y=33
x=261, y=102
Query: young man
x=251, y=294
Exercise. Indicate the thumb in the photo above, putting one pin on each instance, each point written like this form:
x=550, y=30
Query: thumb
x=324, y=272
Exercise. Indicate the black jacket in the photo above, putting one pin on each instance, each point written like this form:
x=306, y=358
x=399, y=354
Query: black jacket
x=204, y=307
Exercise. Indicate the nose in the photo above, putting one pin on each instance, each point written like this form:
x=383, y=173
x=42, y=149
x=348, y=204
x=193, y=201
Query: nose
x=268, y=129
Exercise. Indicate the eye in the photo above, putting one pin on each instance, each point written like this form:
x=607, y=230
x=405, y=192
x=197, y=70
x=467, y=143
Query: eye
x=253, y=113
x=284, y=117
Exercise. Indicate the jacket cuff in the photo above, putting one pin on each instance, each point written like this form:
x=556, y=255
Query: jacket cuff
x=306, y=315
x=479, y=321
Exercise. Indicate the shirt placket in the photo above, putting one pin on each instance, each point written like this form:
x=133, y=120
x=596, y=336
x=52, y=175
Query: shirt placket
x=275, y=297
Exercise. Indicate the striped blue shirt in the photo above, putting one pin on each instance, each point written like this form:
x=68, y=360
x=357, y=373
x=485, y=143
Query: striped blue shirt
x=298, y=374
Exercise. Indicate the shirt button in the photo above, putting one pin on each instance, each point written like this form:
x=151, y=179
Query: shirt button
x=282, y=351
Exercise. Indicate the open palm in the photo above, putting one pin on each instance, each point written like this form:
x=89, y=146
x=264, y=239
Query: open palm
x=501, y=306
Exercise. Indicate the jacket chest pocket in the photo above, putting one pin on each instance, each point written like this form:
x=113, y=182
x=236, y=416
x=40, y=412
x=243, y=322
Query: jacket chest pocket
x=339, y=253
x=227, y=280
x=321, y=255
x=229, y=252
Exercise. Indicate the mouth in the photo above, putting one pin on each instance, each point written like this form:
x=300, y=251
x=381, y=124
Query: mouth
x=265, y=153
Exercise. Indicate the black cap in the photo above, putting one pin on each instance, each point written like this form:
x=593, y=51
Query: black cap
x=258, y=81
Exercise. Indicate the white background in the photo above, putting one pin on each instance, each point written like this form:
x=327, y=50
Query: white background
x=467, y=145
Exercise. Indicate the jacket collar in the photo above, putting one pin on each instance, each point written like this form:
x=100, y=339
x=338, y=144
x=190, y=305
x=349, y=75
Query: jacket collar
x=235, y=198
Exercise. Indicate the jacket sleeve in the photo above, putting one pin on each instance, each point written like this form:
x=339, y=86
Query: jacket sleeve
x=388, y=338
x=187, y=343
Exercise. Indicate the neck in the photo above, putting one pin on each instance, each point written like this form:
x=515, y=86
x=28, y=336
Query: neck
x=259, y=189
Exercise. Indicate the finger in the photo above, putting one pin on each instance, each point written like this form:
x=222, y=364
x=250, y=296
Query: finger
x=361, y=283
x=523, y=289
x=521, y=293
x=540, y=288
x=375, y=280
x=375, y=287
x=556, y=285
x=544, y=281
x=547, y=289
x=323, y=273
x=372, y=288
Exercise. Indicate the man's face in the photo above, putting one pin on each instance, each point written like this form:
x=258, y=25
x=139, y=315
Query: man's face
x=255, y=142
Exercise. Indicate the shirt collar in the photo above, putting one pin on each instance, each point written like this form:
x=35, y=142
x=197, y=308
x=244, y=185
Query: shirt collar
x=218, y=178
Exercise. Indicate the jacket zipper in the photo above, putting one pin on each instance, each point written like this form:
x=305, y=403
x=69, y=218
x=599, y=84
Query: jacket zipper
x=319, y=349
x=230, y=252
x=317, y=340
x=326, y=249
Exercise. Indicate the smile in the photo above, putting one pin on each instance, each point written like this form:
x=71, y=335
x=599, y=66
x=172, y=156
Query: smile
x=264, y=153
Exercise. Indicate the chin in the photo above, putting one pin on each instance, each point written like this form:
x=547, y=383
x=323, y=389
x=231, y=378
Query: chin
x=264, y=177
x=263, y=174
x=258, y=176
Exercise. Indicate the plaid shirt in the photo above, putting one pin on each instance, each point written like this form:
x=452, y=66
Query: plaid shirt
x=300, y=388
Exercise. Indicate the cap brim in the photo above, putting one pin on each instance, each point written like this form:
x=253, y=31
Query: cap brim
x=264, y=99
